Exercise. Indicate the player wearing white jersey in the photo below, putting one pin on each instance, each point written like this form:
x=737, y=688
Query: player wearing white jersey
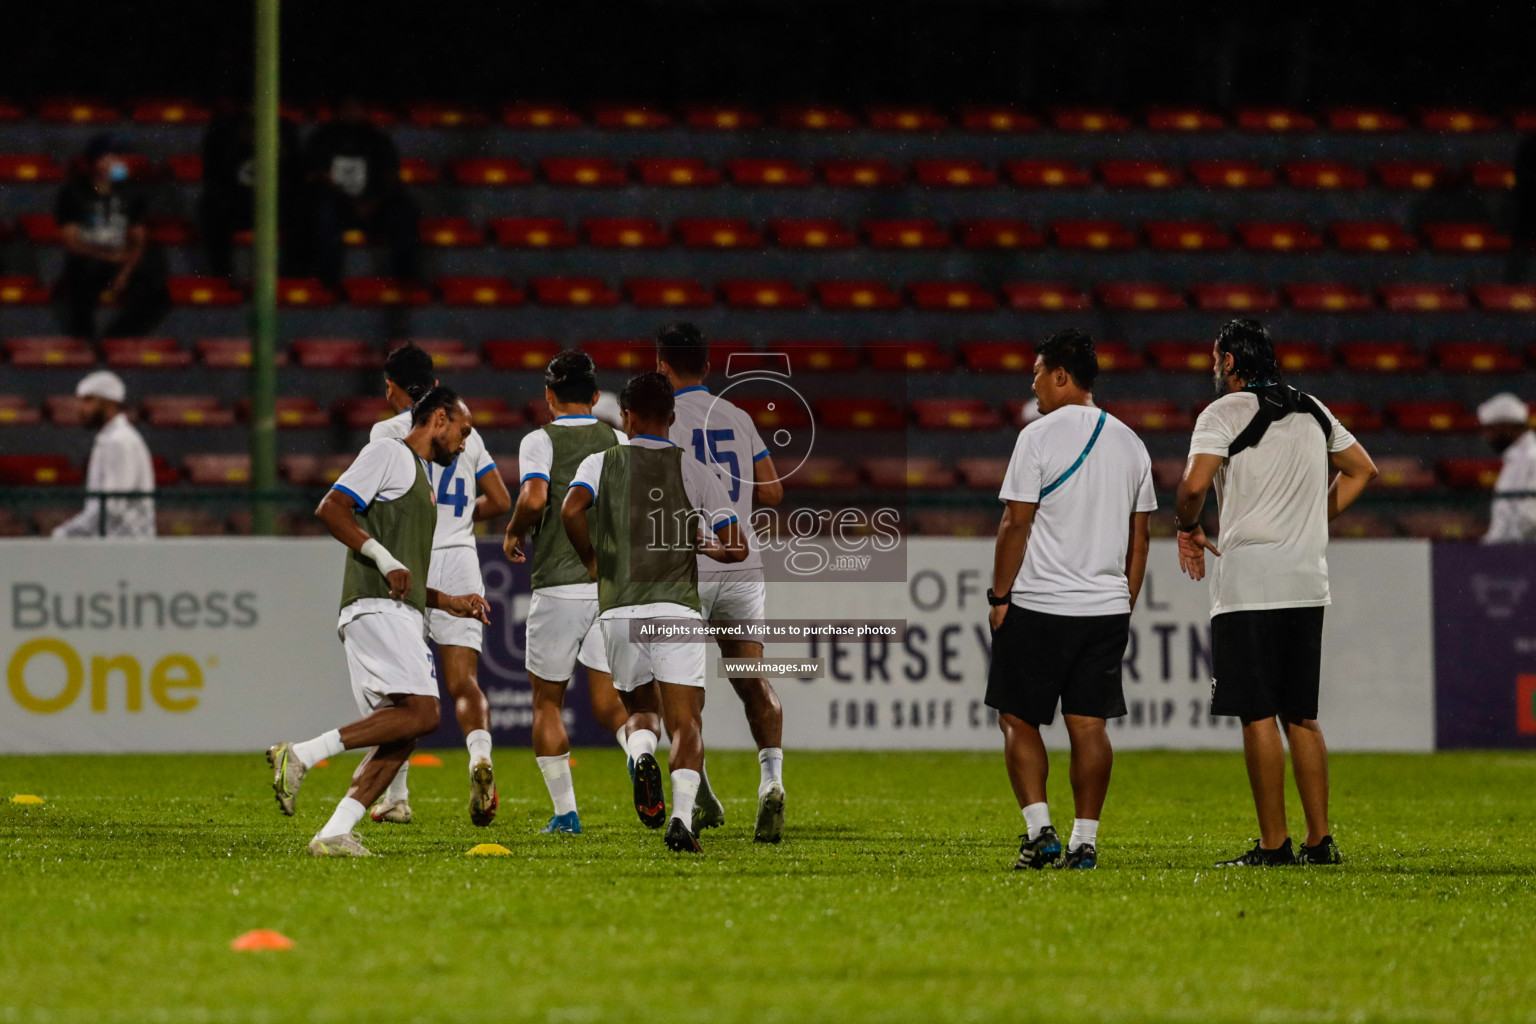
x=721, y=436
x=455, y=570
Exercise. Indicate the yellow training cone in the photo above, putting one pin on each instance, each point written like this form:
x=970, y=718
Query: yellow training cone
x=488, y=850
x=27, y=798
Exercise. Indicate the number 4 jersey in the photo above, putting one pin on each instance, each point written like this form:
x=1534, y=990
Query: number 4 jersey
x=725, y=439
x=455, y=486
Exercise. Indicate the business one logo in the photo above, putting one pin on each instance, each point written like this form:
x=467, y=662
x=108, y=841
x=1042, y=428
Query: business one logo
x=1498, y=596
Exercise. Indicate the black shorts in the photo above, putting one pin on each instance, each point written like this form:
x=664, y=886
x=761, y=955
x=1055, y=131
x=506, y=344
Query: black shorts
x=1038, y=659
x=1267, y=663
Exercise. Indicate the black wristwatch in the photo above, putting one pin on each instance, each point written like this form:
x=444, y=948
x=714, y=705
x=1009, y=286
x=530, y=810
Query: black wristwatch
x=996, y=601
x=1187, y=527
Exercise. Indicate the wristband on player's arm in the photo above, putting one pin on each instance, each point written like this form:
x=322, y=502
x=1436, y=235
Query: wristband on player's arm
x=386, y=562
x=1187, y=527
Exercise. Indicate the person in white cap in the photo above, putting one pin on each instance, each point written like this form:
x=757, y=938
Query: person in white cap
x=119, y=462
x=1506, y=423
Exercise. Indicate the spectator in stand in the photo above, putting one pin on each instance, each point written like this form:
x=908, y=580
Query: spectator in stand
x=101, y=226
x=1506, y=422
x=119, y=463
x=228, y=203
x=354, y=170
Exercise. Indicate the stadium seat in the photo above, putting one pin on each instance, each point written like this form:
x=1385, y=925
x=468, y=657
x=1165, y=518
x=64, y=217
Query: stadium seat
x=1419, y=175
x=385, y=291
x=18, y=290
x=489, y=171
x=821, y=474
x=540, y=116
x=1151, y=174
x=413, y=171
x=532, y=233
x=26, y=168
x=573, y=291
x=186, y=522
x=1470, y=474
x=906, y=234
x=856, y=295
x=172, y=111
x=586, y=172
x=1372, y=236
x=168, y=229
x=1357, y=417
x=38, y=470
x=1046, y=297
x=424, y=114
x=756, y=294
x=812, y=234
x=1278, y=237
x=1422, y=298
x=951, y=296
x=858, y=414
x=40, y=228
x=520, y=355
x=1466, y=238
x=768, y=173
x=954, y=174
x=1103, y=235
x=1150, y=415
x=874, y=173
x=1458, y=120
x=186, y=411
x=997, y=119
x=718, y=233
x=982, y=474
x=303, y=291
x=625, y=233
x=999, y=234
x=479, y=291
x=955, y=414
x=49, y=351
x=1491, y=174
x=1047, y=174
x=1363, y=119
x=75, y=110
x=17, y=411
x=998, y=356
x=722, y=118
x=1090, y=120
x=621, y=354
x=954, y=522
x=1138, y=297
x=894, y=474
x=1403, y=473
x=1318, y=297
x=679, y=172
x=1231, y=174
x=300, y=470
x=446, y=353
x=1323, y=174
x=207, y=469
x=667, y=293
x=1181, y=356
x=145, y=353
x=335, y=354
x=816, y=118
x=203, y=291
x=493, y=413
x=1117, y=355
x=451, y=232
x=1186, y=236
x=293, y=412
x=1303, y=357
x=633, y=117
x=1166, y=473
x=819, y=355
x=1442, y=524
x=773, y=414
x=1431, y=416
x=1477, y=357
x=361, y=412
x=906, y=119
x=1355, y=524
x=909, y=356
x=1382, y=357
x=1505, y=298
x=1235, y=298
x=1184, y=119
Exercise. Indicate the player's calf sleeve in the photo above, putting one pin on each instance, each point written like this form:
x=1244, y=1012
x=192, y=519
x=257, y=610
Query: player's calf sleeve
x=770, y=761
x=557, y=779
x=642, y=741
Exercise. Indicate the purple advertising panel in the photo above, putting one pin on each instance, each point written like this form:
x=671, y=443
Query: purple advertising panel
x=1485, y=646
x=503, y=675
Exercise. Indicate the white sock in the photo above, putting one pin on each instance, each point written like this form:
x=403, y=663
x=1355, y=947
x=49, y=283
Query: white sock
x=1037, y=817
x=348, y=813
x=771, y=762
x=685, y=790
x=312, y=752
x=623, y=737
x=1085, y=831
x=557, y=778
x=397, y=791
x=479, y=744
x=642, y=741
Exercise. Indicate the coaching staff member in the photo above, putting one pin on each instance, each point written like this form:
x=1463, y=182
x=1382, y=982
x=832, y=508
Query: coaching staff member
x=1268, y=447
x=1071, y=552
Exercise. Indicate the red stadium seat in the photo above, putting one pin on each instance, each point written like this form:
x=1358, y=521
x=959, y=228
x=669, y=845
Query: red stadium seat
x=812, y=234
x=1316, y=297
x=909, y=356
x=532, y=233
x=16, y=411
x=1382, y=356
x=1431, y=416
x=25, y=168
x=1357, y=417
x=40, y=228
x=49, y=351
x=685, y=172
x=479, y=291
x=1357, y=525
x=856, y=295
x=1360, y=119
x=955, y=414
x=303, y=291
x=166, y=229
x=1477, y=357
x=1184, y=119
x=858, y=414
x=1046, y=297
x=951, y=296
x=1150, y=415
x=1231, y=174
x=818, y=355
x=1442, y=524
x=1505, y=298
x=586, y=172
x=846, y=173
x=292, y=413
x=1303, y=357
x=630, y=116
x=361, y=413
x=424, y=114
x=1458, y=120
x=336, y=354
x=768, y=173
x=1420, y=175
x=667, y=293
x=1235, y=298
x=10, y=111
x=1403, y=473
x=73, y=110
x=203, y=291
x=1491, y=174
x=722, y=118
x=999, y=234
x=1166, y=473
x=64, y=410
x=489, y=171
x=821, y=474
x=540, y=116
x=906, y=119
x=716, y=233
x=1466, y=238
x=625, y=233
x=450, y=232
x=998, y=356
x=165, y=474
x=413, y=171
x=1151, y=174
x=1422, y=298
x=893, y=474
x=954, y=174
x=1117, y=355
x=1470, y=474
x=446, y=353
x=906, y=234
x=1181, y=356
x=177, y=111
x=1047, y=174
x=818, y=118
x=1106, y=235
x=954, y=522
x=997, y=119
x=982, y=474
x=772, y=414
x=493, y=414
x=228, y=353
x=187, y=411
x=759, y=294
x=1090, y=120
x=385, y=291
x=1323, y=174
x=1372, y=236
x=621, y=354
x=145, y=353
x=22, y=291
x=520, y=355
x=36, y=470
x=573, y=291
x=300, y=470
x=189, y=522
x=1186, y=236
x=1139, y=297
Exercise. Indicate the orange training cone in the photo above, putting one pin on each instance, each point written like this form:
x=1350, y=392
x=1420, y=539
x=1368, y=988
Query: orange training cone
x=261, y=939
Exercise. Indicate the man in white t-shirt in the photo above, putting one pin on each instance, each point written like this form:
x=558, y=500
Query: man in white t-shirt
x=1070, y=557
x=409, y=374
x=1506, y=423
x=1268, y=448
x=119, y=462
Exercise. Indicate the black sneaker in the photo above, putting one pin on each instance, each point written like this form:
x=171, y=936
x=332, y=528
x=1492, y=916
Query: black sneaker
x=1325, y=852
x=680, y=840
x=1038, y=852
x=1083, y=858
x=1258, y=857
x=650, y=802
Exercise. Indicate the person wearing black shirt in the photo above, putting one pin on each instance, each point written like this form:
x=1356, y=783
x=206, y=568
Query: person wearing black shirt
x=355, y=172
x=101, y=226
x=228, y=202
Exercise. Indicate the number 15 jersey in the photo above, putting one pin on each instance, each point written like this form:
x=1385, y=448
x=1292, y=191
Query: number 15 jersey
x=455, y=486
x=725, y=439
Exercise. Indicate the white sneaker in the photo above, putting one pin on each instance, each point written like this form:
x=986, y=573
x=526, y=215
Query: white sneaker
x=396, y=812
x=287, y=775
x=339, y=846
x=770, y=814
x=483, y=798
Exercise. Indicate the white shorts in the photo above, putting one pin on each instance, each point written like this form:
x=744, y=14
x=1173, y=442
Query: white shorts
x=561, y=632
x=387, y=657
x=634, y=664
x=734, y=600
x=455, y=571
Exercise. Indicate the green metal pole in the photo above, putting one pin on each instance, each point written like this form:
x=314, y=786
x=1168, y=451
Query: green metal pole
x=264, y=272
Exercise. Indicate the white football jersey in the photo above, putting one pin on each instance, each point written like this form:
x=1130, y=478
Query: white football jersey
x=455, y=487
x=721, y=436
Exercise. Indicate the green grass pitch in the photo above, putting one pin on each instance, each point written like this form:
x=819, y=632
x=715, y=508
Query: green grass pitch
x=890, y=899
